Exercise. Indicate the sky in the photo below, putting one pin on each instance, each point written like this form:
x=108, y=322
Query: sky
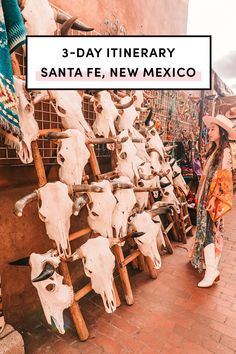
x=217, y=18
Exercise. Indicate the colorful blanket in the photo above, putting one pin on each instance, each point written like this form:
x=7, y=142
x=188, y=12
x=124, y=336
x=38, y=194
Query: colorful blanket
x=12, y=36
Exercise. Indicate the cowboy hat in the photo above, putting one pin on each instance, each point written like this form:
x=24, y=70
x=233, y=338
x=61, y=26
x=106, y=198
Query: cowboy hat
x=223, y=122
x=231, y=113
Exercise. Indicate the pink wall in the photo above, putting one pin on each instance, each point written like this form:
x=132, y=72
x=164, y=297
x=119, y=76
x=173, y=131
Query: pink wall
x=138, y=16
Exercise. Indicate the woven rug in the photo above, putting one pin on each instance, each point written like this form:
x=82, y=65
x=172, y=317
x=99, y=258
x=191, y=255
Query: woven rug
x=12, y=36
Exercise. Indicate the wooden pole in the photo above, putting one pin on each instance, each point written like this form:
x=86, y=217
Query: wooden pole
x=76, y=314
x=151, y=269
x=38, y=163
x=123, y=275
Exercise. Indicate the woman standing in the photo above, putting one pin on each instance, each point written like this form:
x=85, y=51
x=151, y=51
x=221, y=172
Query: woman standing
x=214, y=197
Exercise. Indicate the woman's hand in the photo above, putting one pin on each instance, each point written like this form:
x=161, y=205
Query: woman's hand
x=211, y=205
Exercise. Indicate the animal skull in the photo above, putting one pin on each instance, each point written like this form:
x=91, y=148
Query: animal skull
x=99, y=264
x=128, y=161
x=39, y=17
x=125, y=202
x=55, y=210
x=53, y=294
x=178, y=178
x=72, y=156
x=101, y=208
x=106, y=114
x=169, y=194
x=146, y=179
x=147, y=243
x=69, y=108
x=28, y=124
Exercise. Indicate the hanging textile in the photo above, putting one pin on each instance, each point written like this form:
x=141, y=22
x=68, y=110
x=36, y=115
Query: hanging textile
x=12, y=36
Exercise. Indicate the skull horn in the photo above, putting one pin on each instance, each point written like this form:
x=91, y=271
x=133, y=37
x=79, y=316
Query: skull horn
x=67, y=25
x=121, y=94
x=20, y=204
x=164, y=185
x=137, y=234
x=41, y=97
x=149, y=117
x=46, y=273
x=61, y=17
x=124, y=105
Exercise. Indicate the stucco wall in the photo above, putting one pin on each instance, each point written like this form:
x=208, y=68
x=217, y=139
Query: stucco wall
x=21, y=236
x=138, y=16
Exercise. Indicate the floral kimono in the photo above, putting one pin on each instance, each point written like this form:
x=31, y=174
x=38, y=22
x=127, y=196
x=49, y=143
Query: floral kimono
x=216, y=181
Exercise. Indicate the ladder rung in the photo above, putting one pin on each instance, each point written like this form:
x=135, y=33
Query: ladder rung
x=130, y=258
x=169, y=227
x=188, y=229
x=82, y=292
x=185, y=217
x=79, y=233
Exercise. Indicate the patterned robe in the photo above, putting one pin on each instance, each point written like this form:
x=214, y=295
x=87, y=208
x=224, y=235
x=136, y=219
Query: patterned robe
x=216, y=181
x=12, y=36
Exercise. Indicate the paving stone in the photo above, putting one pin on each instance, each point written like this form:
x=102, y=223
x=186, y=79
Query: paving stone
x=170, y=314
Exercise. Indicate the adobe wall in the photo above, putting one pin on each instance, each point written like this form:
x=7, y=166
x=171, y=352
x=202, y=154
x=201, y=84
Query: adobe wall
x=142, y=16
x=22, y=236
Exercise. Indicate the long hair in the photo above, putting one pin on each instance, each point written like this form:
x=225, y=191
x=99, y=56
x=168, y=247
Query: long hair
x=224, y=142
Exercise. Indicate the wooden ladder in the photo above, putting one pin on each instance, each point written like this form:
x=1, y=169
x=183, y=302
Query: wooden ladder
x=184, y=221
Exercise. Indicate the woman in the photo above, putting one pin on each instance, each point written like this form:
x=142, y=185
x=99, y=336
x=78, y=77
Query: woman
x=214, y=197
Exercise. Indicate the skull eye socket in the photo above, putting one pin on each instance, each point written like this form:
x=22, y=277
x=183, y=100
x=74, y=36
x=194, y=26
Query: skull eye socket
x=166, y=193
x=50, y=287
x=140, y=184
x=62, y=159
x=61, y=110
x=153, y=132
x=139, y=241
x=42, y=217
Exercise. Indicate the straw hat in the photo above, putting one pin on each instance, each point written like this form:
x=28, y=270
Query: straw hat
x=231, y=113
x=223, y=122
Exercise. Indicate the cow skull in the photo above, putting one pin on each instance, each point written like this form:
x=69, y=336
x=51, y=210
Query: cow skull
x=125, y=202
x=106, y=114
x=72, y=156
x=169, y=194
x=27, y=122
x=99, y=263
x=147, y=178
x=101, y=208
x=69, y=107
x=147, y=243
x=39, y=17
x=128, y=161
x=178, y=178
x=55, y=210
x=53, y=294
